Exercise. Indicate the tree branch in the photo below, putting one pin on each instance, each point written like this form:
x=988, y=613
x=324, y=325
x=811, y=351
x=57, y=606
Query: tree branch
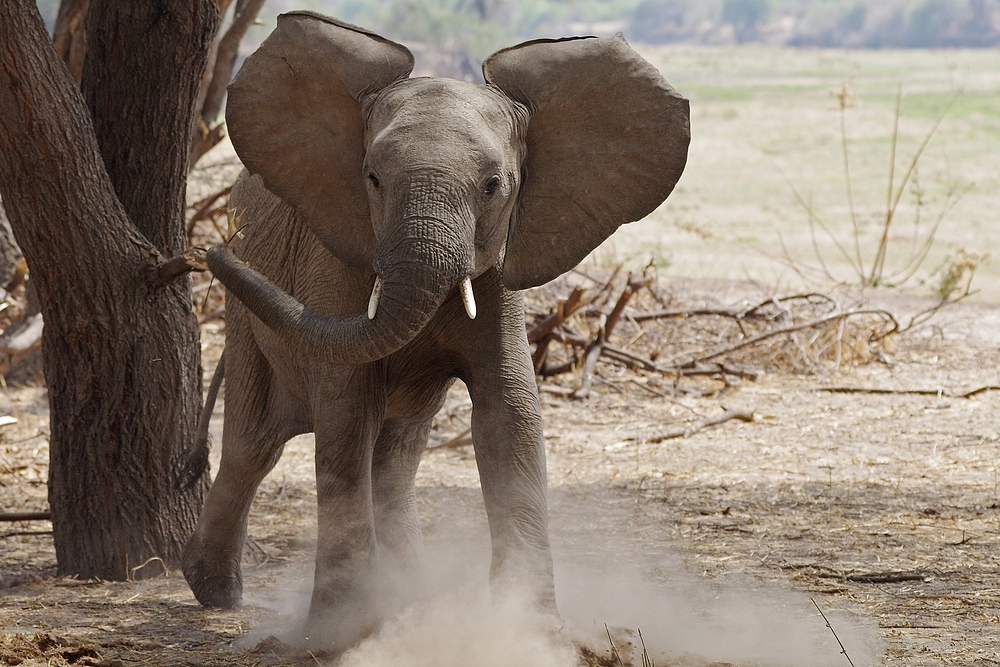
x=691, y=429
x=193, y=259
x=209, y=132
x=25, y=516
x=750, y=342
x=607, y=325
x=910, y=392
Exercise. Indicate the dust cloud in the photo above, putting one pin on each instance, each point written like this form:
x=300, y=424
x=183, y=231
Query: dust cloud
x=692, y=621
x=685, y=620
x=468, y=626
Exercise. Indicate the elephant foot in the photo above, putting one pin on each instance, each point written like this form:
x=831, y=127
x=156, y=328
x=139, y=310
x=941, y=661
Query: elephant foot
x=211, y=587
x=339, y=630
x=220, y=591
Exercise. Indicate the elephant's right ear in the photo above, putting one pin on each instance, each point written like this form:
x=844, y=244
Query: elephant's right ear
x=294, y=116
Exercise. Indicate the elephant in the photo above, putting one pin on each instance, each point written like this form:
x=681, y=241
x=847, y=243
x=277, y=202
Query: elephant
x=389, y=225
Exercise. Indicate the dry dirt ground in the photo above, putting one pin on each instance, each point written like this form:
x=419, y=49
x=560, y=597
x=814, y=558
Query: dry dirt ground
x=880, y=509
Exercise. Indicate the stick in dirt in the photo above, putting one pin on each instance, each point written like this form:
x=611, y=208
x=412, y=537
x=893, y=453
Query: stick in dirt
x=691, y=429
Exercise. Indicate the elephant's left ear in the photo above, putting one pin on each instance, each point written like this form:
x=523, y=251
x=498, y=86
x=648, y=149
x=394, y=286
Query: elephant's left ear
x=607, y=141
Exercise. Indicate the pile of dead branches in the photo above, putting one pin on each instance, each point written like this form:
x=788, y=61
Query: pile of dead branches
x=622, y=329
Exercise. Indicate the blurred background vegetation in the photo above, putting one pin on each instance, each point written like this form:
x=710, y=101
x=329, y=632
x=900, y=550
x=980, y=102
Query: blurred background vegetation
x=480, y=26
x=766, y=79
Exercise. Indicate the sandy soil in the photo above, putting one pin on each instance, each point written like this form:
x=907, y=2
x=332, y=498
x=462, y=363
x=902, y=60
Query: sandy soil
x=880, y=509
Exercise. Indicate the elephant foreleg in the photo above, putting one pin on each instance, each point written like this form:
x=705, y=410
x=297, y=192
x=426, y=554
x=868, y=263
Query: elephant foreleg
x=345, y=606
x=397, y=525
x=510, y=454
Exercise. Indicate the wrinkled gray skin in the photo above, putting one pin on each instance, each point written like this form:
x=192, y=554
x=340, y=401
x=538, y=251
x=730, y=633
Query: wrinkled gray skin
x=435, y=187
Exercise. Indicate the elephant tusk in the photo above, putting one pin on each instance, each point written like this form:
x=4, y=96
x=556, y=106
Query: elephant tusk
x=468, y=298
x=376, y=295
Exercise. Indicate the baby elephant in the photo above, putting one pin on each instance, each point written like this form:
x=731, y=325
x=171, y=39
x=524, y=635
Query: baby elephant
x=388, y=226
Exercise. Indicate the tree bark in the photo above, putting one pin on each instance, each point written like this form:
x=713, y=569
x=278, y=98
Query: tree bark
x=141, y=81
x=121, y=356
x=69, y=37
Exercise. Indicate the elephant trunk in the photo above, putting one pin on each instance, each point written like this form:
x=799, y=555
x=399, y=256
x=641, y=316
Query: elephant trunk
x=414, y=281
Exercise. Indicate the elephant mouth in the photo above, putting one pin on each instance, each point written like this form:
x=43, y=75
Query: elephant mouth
x=464, y=288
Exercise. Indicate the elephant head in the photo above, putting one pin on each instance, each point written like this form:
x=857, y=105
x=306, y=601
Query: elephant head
x=426, y=183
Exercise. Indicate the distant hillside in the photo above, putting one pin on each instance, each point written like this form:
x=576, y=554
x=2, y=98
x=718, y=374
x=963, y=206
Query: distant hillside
x=850, y=23
x=481, y=25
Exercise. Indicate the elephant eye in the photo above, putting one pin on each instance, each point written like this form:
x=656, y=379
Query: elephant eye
x=374, y=179
x=491, y=186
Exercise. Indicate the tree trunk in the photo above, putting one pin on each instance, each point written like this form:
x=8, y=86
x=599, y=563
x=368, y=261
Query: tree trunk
x=121, y=356
x=70, y=35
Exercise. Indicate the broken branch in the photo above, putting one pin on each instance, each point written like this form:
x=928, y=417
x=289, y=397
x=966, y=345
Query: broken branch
x=461, y=440
x=833, y=317
x=25, y=516
x=193, y=259
x=606, y=326
x=909, y=392
x=204, y=208
x=700, y=424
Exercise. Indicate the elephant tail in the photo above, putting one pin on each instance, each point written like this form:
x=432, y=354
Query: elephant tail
x=194, y=462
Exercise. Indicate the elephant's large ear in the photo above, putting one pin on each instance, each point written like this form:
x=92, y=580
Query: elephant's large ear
x=294, y=115
x=607, y=140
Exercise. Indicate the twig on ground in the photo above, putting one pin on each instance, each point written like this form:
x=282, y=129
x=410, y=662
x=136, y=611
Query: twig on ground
x=609, y=383
x=655, y=392
x=614, y=649
x=733, y=313
x=834, y=317
x=25, y=516
x=884, y=577
x=910, y=392
x=151, y=559
x=646, y=660
x=808, y=331
x=461, y=440
x=589, y=364
x=555, y=389
x=827, y=621
x=606, y=325
x=700, y=424
x=541, y=333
